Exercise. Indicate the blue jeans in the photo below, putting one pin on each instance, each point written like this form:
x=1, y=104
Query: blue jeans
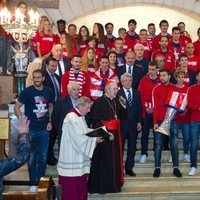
x=159, y=140
x=185, y=129
x=194, y=137
x=39, y=146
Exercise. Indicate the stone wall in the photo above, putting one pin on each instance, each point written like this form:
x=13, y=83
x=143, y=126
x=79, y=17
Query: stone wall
x=6, y=89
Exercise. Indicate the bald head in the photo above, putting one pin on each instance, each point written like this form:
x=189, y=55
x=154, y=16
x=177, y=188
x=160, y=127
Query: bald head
x=189, y=49
x=111, y=90
x=130, y=58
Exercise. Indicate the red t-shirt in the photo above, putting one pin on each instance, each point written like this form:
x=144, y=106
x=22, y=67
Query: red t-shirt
x=46, y=42
x=194, y=63
x=194, y=102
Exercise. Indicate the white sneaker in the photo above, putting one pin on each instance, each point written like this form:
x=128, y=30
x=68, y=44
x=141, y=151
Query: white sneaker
x=186, y=158
x=192, y=171
x=143, y=159
x=33, y=188
x=170, y=158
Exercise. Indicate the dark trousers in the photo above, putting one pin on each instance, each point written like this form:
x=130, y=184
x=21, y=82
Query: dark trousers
x=129, y=133
x=52, y=139
x=147, y=124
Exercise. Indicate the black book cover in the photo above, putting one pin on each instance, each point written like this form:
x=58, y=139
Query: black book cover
x=99, y=132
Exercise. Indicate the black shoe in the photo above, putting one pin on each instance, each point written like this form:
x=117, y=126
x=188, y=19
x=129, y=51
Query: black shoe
x=156, y=173
x=130, y=173
x=52, y=162
x=177, y=173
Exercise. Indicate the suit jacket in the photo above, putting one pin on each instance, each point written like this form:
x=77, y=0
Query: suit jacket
x=60, y=110
x=67, y=65
x=48, y=82
x=135, y=111
x=137, y=74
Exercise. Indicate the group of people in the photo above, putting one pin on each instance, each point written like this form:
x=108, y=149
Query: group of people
x=122, y=83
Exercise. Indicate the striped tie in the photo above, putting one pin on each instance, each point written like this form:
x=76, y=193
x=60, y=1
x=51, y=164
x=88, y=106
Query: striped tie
x=129, y=98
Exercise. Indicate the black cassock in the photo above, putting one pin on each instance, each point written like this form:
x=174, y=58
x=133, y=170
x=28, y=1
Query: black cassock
x=106, y=171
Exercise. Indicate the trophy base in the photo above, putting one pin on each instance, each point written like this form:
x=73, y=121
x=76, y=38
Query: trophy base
x=21, y=74
x=163, y=131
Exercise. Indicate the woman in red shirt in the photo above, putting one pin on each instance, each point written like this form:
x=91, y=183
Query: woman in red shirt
x=45, y=40
x=67, y=46
x=82, y=41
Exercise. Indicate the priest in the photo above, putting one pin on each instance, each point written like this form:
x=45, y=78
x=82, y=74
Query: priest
x=106, y=175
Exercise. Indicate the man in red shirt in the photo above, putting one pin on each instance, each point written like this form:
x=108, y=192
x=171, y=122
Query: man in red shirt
x=183, y=37
x=76, y=74
x=193, y=60
x=167, y=53
x=160, y=94
x=146, y=86
x=126, y=44
x=194, y=108
x=110, y=39
x=164, y=25
x=152, y=32
x=197, y=44
x=175, y=45
x=146, y=43
x=131, y=36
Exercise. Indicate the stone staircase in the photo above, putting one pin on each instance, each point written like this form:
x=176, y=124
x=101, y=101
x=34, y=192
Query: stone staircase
x=167, y=187
x=143, y=186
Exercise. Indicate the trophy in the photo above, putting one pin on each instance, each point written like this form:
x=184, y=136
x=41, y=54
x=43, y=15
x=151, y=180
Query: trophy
x=176, y=102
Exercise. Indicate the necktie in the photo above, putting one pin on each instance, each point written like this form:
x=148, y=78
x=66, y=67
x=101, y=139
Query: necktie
x=56, y=87
x=129, y=69
x=59, y=69
x=129, y=98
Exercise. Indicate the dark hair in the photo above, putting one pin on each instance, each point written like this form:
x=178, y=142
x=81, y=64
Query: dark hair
x=198, y=30
x=151, y=24
x=21, y=3
x=163, y=22
x=61, y=21
x=165, y=70
x=50, y=58
x=143, y=30
x=109, y=23
x=38, y=71
x=101, y=38
x=80, y=38
x=175, y=28
x=118, y=38
x=153, y=63
x=181, y=23
x=104, y=57
x=132, y=21
x=76, y=56
x=72, y=25
x=182, y=56
x=164, y=37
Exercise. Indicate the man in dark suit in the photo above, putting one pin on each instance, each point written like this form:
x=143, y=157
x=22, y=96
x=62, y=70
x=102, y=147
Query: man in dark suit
x=62, y=65
x=52, y=80
x=63, y=106
x=131, y=123
x=130, y=67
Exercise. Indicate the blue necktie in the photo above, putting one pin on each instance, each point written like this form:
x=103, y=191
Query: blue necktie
x=129, y=69
x=129, y=98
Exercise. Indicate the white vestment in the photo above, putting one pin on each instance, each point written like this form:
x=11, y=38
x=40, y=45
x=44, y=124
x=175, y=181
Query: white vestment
x=76, y=148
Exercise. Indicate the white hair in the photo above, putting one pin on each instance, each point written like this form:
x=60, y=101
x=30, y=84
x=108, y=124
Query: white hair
x=72, y=84
x=82, y=101
x=138, y=45
x=126, y=75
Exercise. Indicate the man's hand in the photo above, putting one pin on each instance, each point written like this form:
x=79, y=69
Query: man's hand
x=155, y=127
x=139, y=126
x=149, y=110
x=23, y=125
x=49, y=126
x=111, y=137
x=99, y=140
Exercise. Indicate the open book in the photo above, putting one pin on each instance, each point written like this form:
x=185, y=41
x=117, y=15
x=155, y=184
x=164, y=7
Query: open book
x=99, y=132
